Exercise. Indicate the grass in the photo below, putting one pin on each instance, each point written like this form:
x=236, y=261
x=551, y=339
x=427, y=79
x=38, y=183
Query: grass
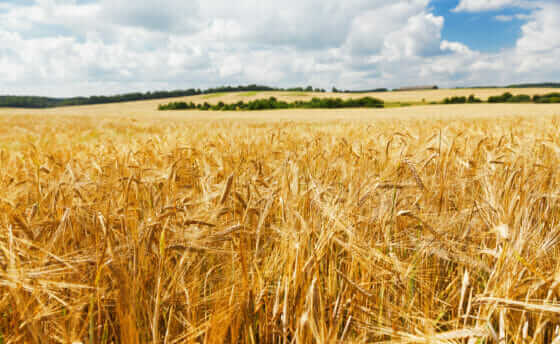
x=404, y=104
x=298, y=94
x=249, y=94
x=171, y=230
x=213, y=95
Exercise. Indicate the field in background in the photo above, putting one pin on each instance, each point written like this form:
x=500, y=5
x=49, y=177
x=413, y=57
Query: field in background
x=119, y=223
x=400, y=96
x=147, y=110
x=417, y=98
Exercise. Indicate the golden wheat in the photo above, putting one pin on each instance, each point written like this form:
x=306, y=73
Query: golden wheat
x=149, y=108
x=170, y=231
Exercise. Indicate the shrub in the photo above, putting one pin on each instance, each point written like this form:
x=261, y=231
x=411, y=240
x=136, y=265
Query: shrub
x=550, y=100
x=177, y=106
x=521, y=98
x=473, y=99
x=500, y=99
x=273, y=103
x=455, y=100
x=547, y=98
x=509, y=98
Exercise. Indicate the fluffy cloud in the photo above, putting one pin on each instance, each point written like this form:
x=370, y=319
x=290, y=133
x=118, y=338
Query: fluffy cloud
x=76, y=47
x=369, y=30
x=508, y=18
x=541, y=32
x=173, y=16
x=205, y=43
x=485, y=5
x=420, y=36
x=533, y=58
x=538, y=50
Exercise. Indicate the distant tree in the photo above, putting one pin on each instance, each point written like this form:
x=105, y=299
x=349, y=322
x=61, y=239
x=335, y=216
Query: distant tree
x=473, y=99
x=273, y=103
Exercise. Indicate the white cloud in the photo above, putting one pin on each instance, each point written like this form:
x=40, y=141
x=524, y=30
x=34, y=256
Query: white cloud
x=66, y=47
x=204, y=43
x=419, y=37
x=504, y=18
x=455, y=47
x=541, y=33
x=393, y=28
x=485, y=5
x=508, y=18
x=173, y=16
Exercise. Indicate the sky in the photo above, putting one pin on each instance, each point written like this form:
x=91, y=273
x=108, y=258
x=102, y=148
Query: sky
x=63, y=48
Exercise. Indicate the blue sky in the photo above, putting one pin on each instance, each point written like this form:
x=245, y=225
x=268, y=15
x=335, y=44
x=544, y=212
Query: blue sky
x=77, y=47
x=480, y=30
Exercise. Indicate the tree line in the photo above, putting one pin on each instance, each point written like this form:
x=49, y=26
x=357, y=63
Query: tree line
x=338, y=103
x=374, y=90
x=273, y=103
x=537, y=85
x=507, y=98
x=524, y=98
x=462, y=100
x=46, y=102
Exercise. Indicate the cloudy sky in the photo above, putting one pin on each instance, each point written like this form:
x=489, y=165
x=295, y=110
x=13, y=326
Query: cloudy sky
x=85, y=47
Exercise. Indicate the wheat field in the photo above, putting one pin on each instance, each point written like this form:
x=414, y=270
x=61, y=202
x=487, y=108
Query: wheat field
x=412, y=225
x=390, y=96
x=150, y=107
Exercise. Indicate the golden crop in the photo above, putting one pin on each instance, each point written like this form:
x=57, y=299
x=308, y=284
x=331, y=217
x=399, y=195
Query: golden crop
x=391, y=96
x=172, y=230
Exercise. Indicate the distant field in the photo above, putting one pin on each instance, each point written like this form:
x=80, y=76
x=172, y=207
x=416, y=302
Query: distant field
x=148, y=108
x=248, y=94
x=404, y=96
x=424, y=224
x=210, y=96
